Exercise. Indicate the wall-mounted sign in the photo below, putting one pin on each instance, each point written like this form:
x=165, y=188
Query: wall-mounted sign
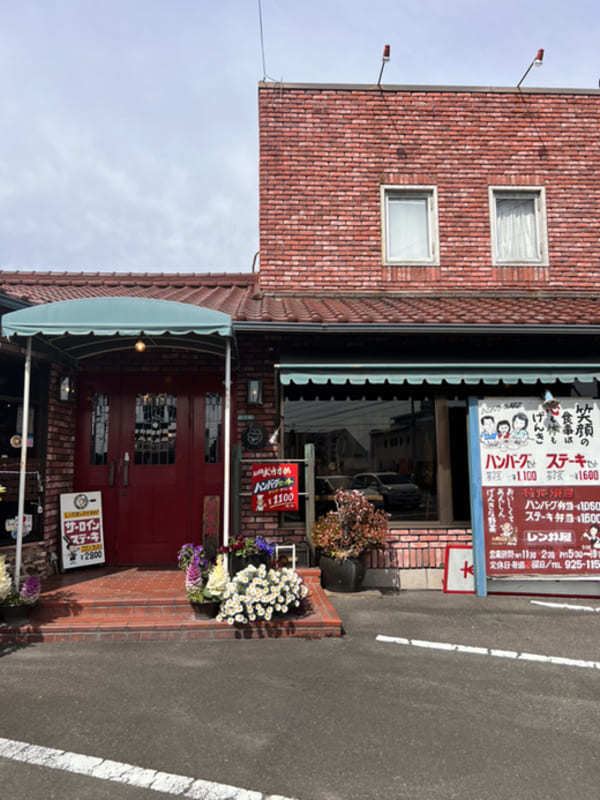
x=540, y=477
x=274, y=487
x=254, y=437
x=82, y=534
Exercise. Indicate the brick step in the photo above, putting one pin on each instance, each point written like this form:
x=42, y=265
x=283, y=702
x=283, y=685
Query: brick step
x=47, y=611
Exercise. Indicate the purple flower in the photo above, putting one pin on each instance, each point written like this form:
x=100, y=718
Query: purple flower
x=30, y=590
x=193, y=577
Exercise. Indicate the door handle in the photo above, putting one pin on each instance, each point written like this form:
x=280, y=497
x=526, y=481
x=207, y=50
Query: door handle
x=111, y=473
x=126, y=470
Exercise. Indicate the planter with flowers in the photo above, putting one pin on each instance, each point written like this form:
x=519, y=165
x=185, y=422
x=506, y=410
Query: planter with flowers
x=246, y=550
x=204, y=581
x=15, y=605
x=258, y=594
x=343, y=537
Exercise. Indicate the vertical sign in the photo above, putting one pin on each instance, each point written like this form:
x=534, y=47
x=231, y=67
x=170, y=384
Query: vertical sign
x=274, y=487
x=540, y=485
x=81, y=530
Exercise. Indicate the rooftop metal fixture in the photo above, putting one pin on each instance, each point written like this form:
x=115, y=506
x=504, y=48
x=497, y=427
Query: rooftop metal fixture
x=385, y=58
x=537, y=62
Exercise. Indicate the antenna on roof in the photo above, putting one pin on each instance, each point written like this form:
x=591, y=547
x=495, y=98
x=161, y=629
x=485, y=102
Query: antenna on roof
x=385, y=58
x=537, y=62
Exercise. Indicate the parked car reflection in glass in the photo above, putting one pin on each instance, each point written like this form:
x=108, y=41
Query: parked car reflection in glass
x=397, y=491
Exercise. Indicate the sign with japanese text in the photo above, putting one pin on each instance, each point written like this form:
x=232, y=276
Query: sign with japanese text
x=274, y=487
x=82, y=535
x=540, y=475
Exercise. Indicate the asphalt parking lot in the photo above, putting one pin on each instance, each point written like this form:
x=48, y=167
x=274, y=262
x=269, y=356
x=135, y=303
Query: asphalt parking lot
x=331, y=719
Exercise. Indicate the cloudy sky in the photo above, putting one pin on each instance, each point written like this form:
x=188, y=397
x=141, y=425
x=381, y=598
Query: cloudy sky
x=128, y=128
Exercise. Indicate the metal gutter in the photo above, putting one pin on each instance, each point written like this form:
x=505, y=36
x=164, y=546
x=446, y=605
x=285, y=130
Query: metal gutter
x=400, y=327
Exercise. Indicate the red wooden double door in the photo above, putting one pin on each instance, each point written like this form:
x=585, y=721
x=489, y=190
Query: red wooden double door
x=152, y=444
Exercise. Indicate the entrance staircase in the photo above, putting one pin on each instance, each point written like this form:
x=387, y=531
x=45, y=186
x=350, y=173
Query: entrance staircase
x=149, y=604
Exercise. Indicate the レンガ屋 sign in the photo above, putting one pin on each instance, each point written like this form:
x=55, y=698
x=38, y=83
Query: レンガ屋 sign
x=540, y=476
x=274, y=487
x=82, y=534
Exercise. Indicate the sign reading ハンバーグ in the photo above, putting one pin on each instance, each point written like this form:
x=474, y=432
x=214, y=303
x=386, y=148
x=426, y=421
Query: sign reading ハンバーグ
x=82, y=535
x=540, y=474
x=274, y=487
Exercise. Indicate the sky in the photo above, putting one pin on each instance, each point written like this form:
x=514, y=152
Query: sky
x=128, y=128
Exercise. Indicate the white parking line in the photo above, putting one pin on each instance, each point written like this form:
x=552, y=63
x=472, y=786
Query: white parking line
x=486, y=651
x=118, y=772
x=569, y=606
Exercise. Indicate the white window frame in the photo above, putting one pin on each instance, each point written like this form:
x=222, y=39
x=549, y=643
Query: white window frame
x=419, y=192
x=538, y=195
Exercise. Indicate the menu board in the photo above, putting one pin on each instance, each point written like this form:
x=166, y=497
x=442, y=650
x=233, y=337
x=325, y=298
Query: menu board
x=274, y=487
x=82, y=536
x=540, y=476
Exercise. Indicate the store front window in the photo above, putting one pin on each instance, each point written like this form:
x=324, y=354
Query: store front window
x=11, y=419
x=385, y=449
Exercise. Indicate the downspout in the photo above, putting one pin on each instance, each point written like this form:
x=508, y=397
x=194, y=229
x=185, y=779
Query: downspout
x=227, y=446
x=23, y=466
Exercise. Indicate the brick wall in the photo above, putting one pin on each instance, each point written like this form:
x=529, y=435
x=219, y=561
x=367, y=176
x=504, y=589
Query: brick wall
x=416, y=548
x=324, y=154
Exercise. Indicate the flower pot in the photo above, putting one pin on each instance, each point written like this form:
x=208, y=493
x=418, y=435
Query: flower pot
x=15, y=615
x=238, y=563
x=206, y=610
x=341, y=576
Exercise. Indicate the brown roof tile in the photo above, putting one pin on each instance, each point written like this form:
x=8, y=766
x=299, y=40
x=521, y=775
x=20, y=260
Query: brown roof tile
x=237, y=294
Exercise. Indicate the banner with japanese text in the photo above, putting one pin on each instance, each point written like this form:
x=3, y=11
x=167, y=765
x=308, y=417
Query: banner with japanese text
x=540, y=476
x=82, y=535
x=274, y=487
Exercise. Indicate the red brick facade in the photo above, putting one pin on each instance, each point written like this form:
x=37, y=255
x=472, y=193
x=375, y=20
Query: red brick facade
x=325, y=152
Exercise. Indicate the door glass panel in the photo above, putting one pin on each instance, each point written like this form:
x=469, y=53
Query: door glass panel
x=99, y=443
x=213, y=418
x=155, y=428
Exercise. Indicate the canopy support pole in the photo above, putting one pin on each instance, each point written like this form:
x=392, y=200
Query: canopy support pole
x=227, y=446
x=23, y=466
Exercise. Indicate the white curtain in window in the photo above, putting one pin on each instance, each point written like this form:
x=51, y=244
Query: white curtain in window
x=516, y=232
x=408, y=235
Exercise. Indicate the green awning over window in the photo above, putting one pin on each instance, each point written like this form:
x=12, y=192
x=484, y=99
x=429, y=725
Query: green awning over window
x=301, y=374
x=110, y=316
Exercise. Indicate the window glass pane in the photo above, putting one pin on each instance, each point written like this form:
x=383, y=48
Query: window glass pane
x=385, y=448
x=516, y=230
x=408, y=233
x=213, y=420
x=99, y=442
x=155, y=429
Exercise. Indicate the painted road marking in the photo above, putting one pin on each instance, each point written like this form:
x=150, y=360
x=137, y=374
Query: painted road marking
x=115, y=771
x=488, y=651
x=569, y=606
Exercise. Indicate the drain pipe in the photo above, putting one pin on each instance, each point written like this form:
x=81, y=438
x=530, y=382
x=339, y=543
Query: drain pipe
x=227, y=447
x=23, y=465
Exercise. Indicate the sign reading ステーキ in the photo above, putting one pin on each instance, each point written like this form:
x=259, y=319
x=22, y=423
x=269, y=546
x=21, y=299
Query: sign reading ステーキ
x=274, y=487
x=82, y=535
x=540, y=475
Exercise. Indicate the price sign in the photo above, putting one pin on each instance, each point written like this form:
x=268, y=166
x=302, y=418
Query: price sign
x=82, y=535
x=540, y=476
x=274, y=487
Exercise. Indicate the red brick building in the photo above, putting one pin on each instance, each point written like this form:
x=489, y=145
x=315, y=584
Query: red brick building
x=418, y=245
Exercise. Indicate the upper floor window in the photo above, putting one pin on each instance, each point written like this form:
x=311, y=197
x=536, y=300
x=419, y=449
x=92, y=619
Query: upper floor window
x=518, y=222
x=410, y=229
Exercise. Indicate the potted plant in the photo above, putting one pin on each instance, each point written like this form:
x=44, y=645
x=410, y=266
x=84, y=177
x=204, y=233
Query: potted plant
x=257, y=594
x=15, y=605
x=192, y=560
x=344, y=535
x=245, y=550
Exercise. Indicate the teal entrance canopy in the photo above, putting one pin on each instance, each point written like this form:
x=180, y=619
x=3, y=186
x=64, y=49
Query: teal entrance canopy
x=360, y=373
x=86, y=327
